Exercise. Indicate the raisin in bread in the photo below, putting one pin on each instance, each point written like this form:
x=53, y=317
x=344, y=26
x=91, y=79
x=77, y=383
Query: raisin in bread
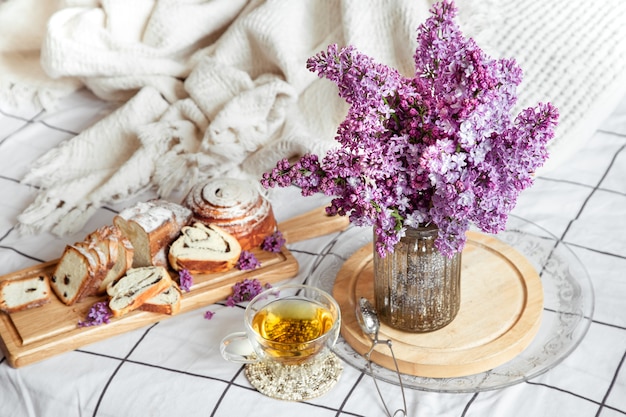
x=166, y=302
x=236, y=206
x=78, y=273
x=136, y=287
x=204, y=249
x=87, y=267
x=23, y=293
x=151, y=226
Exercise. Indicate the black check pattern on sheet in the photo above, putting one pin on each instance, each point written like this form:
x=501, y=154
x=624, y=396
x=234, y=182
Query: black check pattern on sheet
x=174, y=367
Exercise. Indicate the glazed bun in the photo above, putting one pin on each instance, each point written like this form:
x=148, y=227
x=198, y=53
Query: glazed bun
x=234, y=205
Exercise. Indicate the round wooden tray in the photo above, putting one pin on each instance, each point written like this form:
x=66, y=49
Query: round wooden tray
x=501, y=308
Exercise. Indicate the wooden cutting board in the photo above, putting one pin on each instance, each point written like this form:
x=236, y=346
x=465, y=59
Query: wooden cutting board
x=501, y=309
x=39, y=333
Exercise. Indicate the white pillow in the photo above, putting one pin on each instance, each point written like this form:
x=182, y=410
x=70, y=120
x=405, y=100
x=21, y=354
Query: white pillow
x=572, y=53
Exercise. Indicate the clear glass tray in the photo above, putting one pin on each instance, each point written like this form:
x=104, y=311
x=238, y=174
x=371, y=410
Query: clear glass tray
x=567, y=312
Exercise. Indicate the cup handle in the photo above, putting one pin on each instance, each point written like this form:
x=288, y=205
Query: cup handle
x=236, y=347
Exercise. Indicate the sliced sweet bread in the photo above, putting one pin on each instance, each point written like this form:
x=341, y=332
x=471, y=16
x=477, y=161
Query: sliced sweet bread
x=103, y=264
x=87, y=267
x=166, y=302
x=136, y=287
x=23, y=293
x=204, y=249
x=151, y=226
x=119, y=250
x=77, y=273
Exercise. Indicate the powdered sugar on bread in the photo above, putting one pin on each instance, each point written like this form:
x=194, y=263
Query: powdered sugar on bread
x=236, y=206
x=151, y=226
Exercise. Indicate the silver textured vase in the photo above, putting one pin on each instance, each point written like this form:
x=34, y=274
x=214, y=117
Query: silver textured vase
x=416, y=288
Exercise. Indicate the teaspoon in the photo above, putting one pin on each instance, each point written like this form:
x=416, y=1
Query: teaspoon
x=370, y=325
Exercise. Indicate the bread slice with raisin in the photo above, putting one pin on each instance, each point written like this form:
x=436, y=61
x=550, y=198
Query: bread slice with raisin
x=166, y=302
x=77, y=273
x=136, y=287
x=204, y=249
x=24, y=293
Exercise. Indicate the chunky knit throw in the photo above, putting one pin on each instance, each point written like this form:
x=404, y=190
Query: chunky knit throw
x=220, y=88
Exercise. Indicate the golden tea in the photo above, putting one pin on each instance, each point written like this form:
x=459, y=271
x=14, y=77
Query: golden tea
x=288, y=325
x=292, y=321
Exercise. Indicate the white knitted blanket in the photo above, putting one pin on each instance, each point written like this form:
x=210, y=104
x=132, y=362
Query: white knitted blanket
x=212, y=88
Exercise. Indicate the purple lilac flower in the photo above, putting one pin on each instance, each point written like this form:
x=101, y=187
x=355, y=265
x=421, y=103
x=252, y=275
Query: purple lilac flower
x=245, y=290
x=273, y=242
x=441, y=147
x=208, y=315
x=247, y=261
x=99, y=313
x=185, y=280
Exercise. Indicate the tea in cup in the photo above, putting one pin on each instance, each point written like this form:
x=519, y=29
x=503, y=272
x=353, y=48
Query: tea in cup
x=290, y=324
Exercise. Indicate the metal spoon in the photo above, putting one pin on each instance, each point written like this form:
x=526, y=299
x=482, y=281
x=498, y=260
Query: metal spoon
x=368, y=319
x=370, y=325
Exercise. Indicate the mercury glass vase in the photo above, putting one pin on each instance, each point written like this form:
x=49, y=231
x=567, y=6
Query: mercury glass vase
x=416, y=288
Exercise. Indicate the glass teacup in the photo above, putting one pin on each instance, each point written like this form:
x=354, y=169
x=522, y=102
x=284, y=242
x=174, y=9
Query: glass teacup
x=289, y=325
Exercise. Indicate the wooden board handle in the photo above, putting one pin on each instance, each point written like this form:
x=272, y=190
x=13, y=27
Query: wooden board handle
x=312, y=224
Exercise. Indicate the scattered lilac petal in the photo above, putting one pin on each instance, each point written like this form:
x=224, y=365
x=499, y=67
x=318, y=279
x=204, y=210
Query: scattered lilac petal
x=247, y=261
x=98, y=314
x=274, y=242
x=185, y=280
x=245, y=290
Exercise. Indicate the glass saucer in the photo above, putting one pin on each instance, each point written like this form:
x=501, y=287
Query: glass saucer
x=566, y=317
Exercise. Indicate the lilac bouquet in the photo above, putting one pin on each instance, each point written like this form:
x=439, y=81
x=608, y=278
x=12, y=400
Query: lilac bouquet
x=441, y=147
